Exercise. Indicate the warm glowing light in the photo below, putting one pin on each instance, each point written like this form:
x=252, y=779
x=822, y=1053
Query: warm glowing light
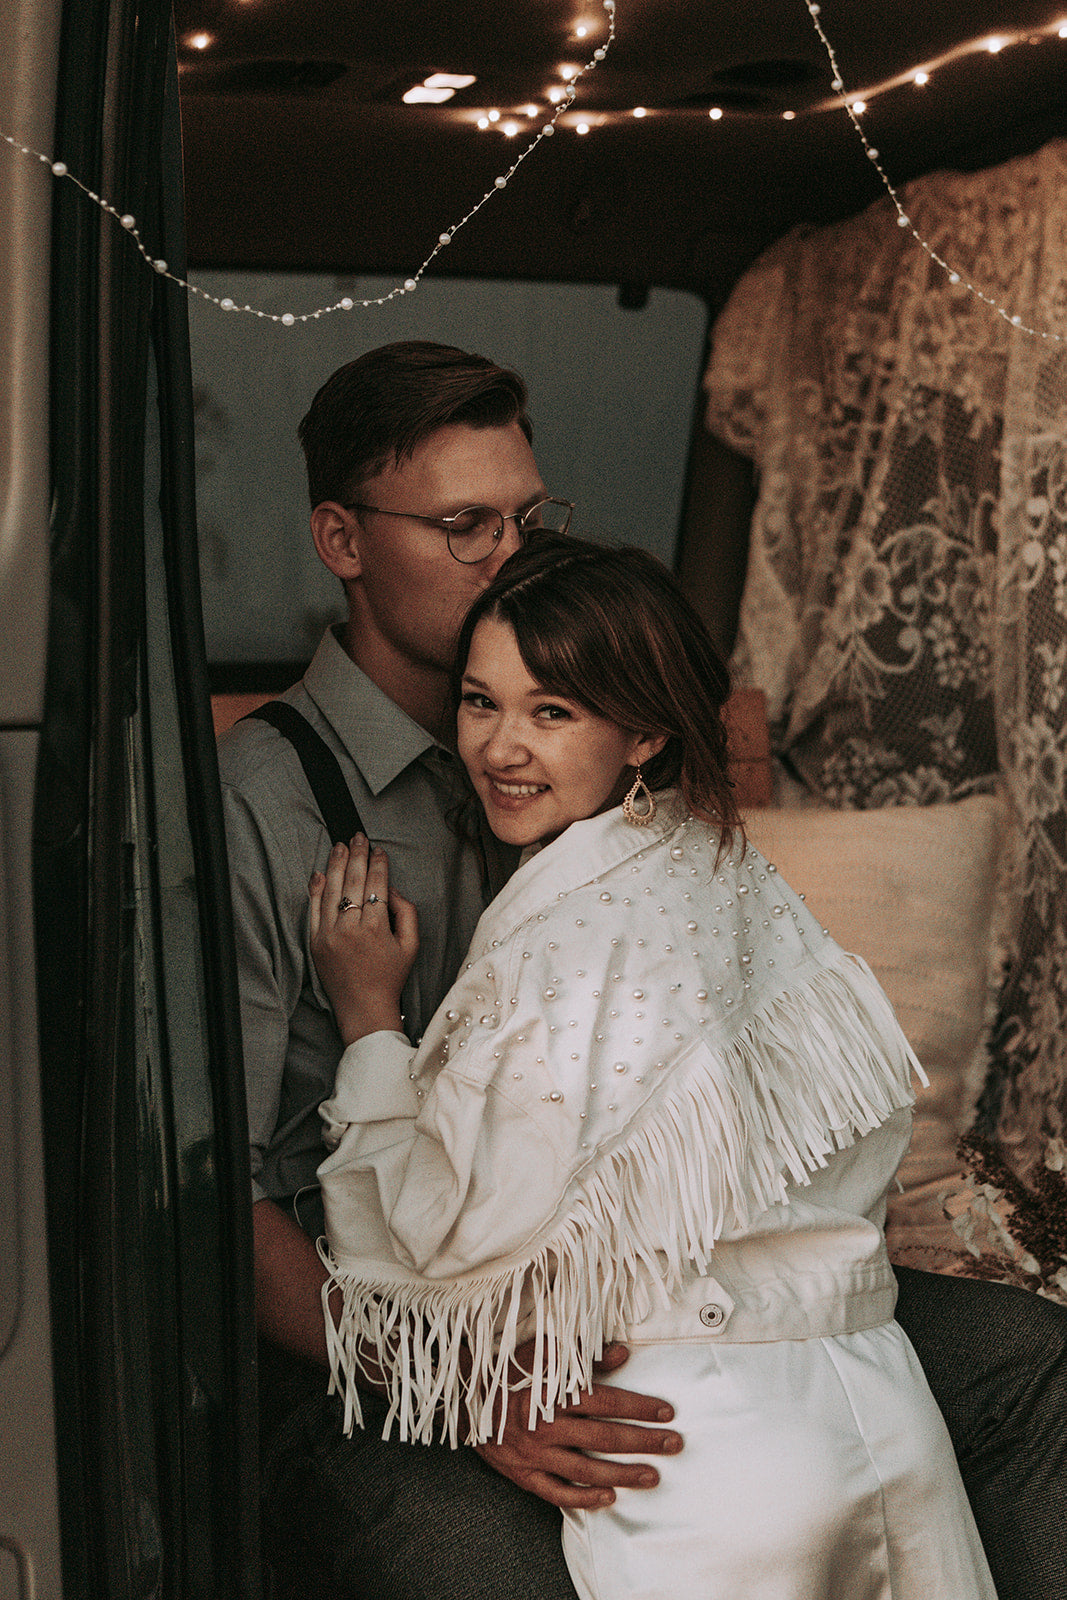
x=994, y=45
x=640, y=111
x=531, y=110
x=450, y=80
x=556, y=94
x=715, y=113
x=509, y=128
x=859, y=107
x=581, y=31
x=569, y=72
x=1062, y=31
x=199, y=41
x=583, y=127
x=921, y=78
x=789, y=116
x=494, y=116
x=483, y=123
x=422, y=96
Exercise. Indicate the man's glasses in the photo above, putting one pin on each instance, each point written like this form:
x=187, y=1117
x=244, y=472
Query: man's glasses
x=473, y=534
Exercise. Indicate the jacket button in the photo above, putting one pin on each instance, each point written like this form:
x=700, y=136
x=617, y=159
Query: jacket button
x=712, y=1316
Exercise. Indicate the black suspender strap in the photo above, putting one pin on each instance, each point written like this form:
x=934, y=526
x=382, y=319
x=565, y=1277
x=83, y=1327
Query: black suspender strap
x=321, y=768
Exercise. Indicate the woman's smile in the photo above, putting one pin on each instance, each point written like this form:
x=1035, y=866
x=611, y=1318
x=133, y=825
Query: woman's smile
x=516, y=791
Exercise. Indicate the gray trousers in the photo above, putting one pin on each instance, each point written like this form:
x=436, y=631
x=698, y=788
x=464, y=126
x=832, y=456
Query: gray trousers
x=358, y=1519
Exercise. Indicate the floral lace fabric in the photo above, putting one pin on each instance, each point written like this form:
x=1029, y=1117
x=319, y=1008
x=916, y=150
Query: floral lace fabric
x=905, y=607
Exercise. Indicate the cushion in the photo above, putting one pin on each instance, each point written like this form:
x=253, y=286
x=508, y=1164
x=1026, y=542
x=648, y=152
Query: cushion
x=912, y=890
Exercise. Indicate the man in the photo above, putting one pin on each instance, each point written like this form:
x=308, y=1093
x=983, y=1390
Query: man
x=398, y=444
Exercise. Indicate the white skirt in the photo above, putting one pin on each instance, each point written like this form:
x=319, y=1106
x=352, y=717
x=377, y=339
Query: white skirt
x=814, y=1469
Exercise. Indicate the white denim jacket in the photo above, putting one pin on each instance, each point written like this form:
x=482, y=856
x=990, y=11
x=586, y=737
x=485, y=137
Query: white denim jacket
x=659, y=1102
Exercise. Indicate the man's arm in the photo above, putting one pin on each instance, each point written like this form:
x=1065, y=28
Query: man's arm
x=289, y=1277
x=551, y=1460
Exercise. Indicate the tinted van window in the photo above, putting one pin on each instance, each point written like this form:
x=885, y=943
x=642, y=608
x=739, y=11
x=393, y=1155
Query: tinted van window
x=611, y=396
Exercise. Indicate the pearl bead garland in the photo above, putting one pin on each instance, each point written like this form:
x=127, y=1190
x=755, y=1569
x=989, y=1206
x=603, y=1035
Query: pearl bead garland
x=903, y=220
x=289, y=319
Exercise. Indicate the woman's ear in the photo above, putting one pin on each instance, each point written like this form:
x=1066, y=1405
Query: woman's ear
x=336, y=535
x=644, y=747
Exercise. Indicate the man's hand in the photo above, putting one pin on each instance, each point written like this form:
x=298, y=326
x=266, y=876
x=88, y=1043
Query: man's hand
x=552, y=1460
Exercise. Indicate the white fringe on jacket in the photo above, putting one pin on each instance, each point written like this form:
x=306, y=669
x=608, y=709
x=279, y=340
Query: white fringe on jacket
x=817, y=1066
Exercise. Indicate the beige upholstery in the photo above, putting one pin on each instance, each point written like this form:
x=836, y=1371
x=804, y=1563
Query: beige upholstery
x=912, y=890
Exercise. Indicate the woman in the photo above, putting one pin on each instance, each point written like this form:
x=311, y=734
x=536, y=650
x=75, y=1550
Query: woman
x=659, y=1105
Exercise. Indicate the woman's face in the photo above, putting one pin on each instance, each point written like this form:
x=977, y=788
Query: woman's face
x=538, y=761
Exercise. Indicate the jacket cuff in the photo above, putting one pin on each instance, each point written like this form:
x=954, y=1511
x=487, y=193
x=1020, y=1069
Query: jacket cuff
x=373, y=1084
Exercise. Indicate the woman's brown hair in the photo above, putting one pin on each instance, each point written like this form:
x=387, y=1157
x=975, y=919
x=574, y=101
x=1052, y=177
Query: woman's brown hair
x=612, y=630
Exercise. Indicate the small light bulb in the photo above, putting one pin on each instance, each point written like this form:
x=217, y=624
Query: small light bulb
x=789, y=116
x=715, y=113
x=583, y=127
x=449, y=80
x=859, y=107
x=639, y=111
x=921, y=78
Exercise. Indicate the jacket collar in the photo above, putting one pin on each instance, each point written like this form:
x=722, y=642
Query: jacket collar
x=583, y=852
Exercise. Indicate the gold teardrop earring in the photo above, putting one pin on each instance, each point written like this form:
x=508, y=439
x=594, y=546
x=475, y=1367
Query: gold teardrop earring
x=639, y=818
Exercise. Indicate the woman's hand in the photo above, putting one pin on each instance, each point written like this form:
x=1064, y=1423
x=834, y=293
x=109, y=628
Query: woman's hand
x=364, y=938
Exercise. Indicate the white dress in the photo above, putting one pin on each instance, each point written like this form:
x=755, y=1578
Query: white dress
x=659, y=1104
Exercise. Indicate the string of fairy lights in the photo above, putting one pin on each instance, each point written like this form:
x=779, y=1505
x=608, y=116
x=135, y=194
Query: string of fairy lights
x=563, y=100
x=855, y=109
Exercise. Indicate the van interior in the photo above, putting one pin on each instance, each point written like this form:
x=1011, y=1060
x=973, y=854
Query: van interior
x=788, y=286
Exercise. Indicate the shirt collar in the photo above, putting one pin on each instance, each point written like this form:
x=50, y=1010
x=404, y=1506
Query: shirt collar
x=381, y=739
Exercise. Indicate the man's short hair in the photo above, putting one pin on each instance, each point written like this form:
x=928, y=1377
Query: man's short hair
x=380, y=407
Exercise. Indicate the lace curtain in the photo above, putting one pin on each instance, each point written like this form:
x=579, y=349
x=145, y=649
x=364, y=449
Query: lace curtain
x=905, y=606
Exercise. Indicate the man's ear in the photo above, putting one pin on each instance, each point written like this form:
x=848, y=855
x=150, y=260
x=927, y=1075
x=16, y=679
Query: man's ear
x=336, y=535
x=645, y=746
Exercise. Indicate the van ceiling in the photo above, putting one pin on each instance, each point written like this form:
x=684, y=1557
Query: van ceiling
x=300, y=152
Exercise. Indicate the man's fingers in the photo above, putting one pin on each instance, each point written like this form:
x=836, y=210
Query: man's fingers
x=605, y=1400
x=548, y=1485
x=613, y=1438
x=567, y=1496
x=565, y=1476
x=612, y=1357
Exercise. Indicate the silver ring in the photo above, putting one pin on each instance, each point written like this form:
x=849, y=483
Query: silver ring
x=371, y=900
x=346, y=904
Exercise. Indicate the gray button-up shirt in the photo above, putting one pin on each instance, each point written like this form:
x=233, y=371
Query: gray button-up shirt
x=406, y=789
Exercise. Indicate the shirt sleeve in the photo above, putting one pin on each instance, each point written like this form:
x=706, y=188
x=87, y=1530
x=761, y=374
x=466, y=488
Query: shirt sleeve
x=268, y=985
